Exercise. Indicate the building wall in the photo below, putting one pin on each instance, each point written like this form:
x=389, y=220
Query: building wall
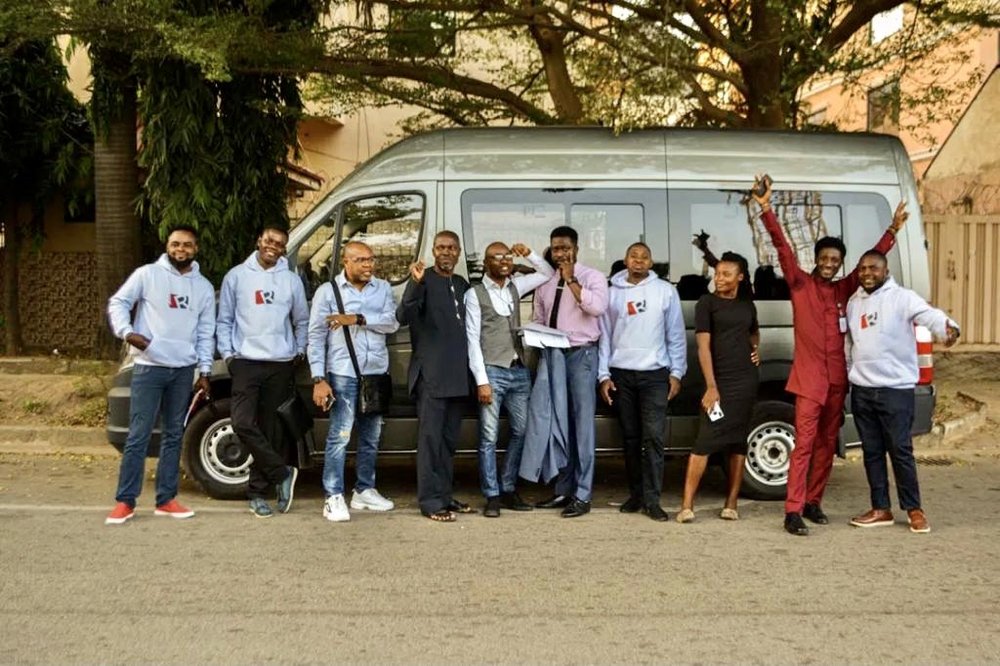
x=847, y=107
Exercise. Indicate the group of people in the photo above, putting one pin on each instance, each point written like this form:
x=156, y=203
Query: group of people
x=624, y=337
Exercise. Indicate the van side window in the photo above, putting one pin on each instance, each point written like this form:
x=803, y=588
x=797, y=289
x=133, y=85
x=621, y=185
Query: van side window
x=390, y=224
x=859, y=218
x=607, y=221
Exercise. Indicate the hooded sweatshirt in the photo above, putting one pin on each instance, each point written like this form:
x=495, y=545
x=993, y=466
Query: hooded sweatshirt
x=643, y=327
x=882, y=347
x=263, y=314
x=175, y=311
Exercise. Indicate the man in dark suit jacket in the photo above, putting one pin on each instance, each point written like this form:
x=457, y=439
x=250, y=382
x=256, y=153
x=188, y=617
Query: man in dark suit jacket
x=433, y=306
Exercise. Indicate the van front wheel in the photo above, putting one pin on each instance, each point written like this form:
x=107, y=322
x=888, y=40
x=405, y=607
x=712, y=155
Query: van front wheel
x=214, y=455
x=769, y=450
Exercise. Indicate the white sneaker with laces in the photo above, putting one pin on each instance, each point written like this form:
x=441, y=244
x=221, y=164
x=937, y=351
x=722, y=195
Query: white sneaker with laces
x=335, y=509
x=370, y=499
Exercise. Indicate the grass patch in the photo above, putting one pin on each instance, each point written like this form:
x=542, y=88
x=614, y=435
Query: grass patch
x=33, y=406
x=92, y=413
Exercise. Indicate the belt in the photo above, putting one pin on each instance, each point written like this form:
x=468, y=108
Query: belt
x=576, y=347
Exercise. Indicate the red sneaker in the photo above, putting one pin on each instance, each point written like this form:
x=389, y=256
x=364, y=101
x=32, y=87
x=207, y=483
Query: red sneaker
x=121, y=513
x=174, y=509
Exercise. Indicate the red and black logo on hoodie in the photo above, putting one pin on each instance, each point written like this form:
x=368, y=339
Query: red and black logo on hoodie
x=262, y=297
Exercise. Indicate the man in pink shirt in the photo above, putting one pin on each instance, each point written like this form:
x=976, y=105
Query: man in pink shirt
x=573, y=301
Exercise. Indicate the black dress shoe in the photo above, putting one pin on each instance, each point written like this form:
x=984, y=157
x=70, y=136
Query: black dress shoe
x=813, y=513
x=513, y=502
x=656, y=512
x=492, y=509
x=554, y=502
x=794, y=525
x=631, y=505
x=459, y=507
x=576, y=508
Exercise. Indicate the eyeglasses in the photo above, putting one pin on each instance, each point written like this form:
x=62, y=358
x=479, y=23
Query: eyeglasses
x=502, y=257
x=363, y=260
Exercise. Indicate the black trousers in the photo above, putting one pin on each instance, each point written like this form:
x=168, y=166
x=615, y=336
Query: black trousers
x=641, y=399
x=259, y=387
x=439, y=421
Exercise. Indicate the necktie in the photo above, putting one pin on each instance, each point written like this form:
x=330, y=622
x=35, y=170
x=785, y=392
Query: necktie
x=554, y=315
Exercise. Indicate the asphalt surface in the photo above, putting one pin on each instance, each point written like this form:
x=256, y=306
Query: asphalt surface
x=225, y=587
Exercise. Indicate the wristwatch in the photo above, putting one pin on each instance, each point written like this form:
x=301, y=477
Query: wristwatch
x=572, y=280
x=361, y=319
x=317, y=380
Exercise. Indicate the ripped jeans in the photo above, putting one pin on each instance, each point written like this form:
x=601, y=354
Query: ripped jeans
x=342, y=418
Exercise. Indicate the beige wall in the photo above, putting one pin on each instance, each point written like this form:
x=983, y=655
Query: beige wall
x=848, y=108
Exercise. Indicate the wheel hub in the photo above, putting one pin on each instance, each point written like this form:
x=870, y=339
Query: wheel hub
x=769, y=450
x=223, y=456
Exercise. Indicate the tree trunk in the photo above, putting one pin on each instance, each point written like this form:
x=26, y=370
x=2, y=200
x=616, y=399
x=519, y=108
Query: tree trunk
x=550, y=42
x=116, y=187
x=11, y=265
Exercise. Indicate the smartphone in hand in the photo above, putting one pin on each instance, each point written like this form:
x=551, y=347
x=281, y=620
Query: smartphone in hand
x=760, y=186
x=328, y=403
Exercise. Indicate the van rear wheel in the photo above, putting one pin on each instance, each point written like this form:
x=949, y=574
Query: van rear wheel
x=769, y=450
x=214, y=455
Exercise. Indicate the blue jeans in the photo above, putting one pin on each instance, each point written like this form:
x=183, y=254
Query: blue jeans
x=884, y=418
x=511, y=388
x=156, y=390
x=577, y=478
x=342, y=417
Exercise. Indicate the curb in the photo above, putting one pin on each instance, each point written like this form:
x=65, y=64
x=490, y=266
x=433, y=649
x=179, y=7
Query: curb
x=55, y=439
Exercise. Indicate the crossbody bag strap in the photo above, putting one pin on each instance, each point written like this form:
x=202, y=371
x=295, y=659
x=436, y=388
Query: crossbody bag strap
x=347, y=333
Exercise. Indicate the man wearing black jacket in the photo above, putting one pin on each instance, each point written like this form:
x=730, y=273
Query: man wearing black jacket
x=433, y=307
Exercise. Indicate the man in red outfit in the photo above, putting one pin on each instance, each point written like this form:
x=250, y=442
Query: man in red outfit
x=819, y=369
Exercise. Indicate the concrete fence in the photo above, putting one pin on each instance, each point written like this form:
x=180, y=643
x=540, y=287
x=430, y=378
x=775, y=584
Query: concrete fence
x=964, y=254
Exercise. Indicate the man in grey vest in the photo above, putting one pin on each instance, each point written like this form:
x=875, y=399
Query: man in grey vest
x=496, y=359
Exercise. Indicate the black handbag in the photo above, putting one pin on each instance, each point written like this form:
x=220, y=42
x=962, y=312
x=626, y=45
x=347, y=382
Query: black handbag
x=297, y=419
x=374, y=391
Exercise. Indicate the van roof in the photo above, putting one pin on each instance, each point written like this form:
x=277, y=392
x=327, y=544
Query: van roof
x=595, y=153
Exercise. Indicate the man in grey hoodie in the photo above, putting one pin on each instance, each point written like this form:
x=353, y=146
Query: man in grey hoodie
x=171, y=333
x=883, y=370
x=262, y=328
x=643, y=357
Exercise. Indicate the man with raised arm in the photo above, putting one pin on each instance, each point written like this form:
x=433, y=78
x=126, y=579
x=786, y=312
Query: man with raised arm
x=818, y=378
x=433, y=306
x=572, y=301
x=497, y=362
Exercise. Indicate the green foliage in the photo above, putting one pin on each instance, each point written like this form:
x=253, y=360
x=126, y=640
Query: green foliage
x=33, y=406
x=45, y=142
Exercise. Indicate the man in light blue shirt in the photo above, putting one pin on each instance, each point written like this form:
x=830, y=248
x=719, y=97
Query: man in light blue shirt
x=369, y=314
x=262, y=326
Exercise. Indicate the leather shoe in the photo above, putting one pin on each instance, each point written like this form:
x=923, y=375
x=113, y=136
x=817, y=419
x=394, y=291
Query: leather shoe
x=514, y=502
x=794, y=525
x=873, y=518
x=492, y=509
x=656, y=512
x=459, y=507
x=918, y=521
x=631, y=505
x=813, y=513
x=576, y=508
x=554, y=502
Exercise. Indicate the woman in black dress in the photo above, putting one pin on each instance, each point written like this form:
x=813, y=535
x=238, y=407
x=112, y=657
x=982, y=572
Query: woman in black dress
x=727, y=334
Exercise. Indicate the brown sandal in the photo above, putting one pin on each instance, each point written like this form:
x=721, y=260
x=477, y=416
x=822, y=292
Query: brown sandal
x=442, y=516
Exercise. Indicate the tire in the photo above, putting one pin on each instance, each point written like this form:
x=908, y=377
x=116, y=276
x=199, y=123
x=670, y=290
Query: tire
x=214, y=456
x=769, y=450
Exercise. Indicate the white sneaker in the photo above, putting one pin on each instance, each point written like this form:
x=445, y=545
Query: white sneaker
x=370, y=499
x=335, y=509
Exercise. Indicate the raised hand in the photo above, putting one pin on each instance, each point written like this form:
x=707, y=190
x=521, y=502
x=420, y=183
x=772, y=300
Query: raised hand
x=899, y=217
x=520, y=249
x=761, y=190
x=417, y=269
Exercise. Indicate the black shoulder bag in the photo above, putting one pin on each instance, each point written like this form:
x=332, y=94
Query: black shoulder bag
x=374, y=391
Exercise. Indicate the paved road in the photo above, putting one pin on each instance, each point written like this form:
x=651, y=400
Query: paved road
x=226, y=587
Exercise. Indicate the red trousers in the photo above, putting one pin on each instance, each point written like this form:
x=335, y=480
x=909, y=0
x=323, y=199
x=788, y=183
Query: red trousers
x=816, y=428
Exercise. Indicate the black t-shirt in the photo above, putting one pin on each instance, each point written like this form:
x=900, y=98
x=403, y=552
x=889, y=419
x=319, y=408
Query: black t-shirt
x=730, y=321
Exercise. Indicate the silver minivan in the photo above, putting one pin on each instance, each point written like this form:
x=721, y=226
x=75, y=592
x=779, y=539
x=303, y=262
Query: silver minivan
x=660, y=186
